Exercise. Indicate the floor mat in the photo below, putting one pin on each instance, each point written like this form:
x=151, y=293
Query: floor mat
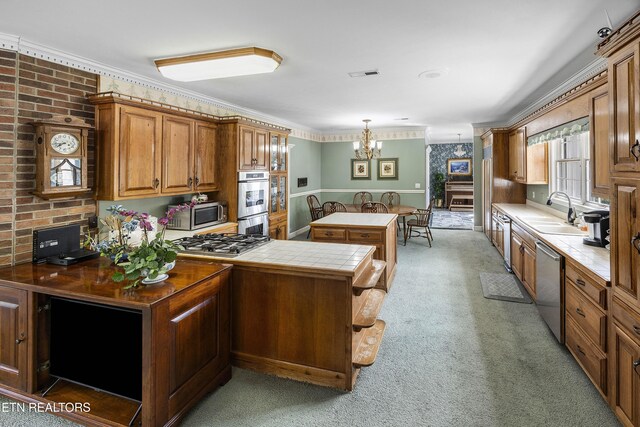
x=503, y=286
x=442, y=218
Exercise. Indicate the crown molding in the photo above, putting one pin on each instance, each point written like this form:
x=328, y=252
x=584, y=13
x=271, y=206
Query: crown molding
x=384, y=134
x=35, y=50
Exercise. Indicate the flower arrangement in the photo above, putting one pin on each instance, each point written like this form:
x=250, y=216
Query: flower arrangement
x=153, y=257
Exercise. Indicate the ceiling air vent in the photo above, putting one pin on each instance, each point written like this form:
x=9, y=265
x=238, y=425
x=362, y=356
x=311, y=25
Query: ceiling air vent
x=364, y=73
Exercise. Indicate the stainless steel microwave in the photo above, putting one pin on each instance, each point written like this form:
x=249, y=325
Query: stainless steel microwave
x=199, y=216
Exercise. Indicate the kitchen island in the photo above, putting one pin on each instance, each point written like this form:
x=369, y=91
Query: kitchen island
x=185, y=339
x=305, y=310
x=365, y=229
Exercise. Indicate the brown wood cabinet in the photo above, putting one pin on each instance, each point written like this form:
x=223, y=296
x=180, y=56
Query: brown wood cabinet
x=523, y=258
x=517, y=155
x=537, y=164
x=624, y=97
x=497, y=232
x=497, y=186
x=15, y=338
x=244, y=145
x=624, y=373
x=186, y=338
x=133, y=169
x=143, y=151
x=278, y=186
x=599, y=141
x=625, y=236
x=253, y=148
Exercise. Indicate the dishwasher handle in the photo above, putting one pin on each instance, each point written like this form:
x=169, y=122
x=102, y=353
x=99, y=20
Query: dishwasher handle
x=547, y=251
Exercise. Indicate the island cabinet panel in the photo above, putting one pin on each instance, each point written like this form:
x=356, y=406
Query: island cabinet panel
x=13, y=338
x=140, y=152
x=186, y=337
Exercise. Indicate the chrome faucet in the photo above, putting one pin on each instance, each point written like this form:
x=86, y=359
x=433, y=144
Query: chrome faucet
x=571, y=214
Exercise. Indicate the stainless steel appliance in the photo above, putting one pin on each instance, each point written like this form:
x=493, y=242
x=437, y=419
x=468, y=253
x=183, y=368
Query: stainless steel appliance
x=227, y=244
x=598, y=227
x=549, y=288
x=505, y=223
x=199, y=216
x=256, y=224
x=253, y=193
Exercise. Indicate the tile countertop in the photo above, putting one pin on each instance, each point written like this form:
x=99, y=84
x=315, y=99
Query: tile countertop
x=592, y=258
x=299, y=255
x=361, y=219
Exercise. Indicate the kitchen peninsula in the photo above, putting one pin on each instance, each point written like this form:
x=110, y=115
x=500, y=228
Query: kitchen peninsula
x=305, y=310
x=184, y=325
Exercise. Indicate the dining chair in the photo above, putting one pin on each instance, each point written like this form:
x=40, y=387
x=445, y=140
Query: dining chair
x=315, y=209
x=374, y=207
x=331, y=207
x=390, y=198
x=361, y=197
x=421, y=220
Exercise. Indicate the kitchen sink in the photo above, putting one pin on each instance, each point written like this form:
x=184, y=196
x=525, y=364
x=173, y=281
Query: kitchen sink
x=550, y=228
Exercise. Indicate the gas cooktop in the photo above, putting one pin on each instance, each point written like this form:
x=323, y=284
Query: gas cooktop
x=227, y=244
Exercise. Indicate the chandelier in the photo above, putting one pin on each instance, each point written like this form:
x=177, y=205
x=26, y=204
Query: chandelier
x=367, y=148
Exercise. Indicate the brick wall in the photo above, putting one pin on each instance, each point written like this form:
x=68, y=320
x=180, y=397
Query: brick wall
x=32, y=89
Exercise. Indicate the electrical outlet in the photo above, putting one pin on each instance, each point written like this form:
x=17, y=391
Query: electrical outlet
x=93, y=221
x=417, y=185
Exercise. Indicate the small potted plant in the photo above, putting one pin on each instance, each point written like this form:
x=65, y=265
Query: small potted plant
x=438, y=188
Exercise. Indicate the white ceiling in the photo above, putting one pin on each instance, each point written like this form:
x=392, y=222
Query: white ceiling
x=497, y=52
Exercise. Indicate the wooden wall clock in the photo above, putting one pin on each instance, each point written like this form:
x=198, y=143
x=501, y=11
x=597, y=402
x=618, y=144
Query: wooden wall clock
x=61, y=157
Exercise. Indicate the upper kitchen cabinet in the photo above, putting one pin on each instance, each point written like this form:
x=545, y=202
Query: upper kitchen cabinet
x=517, y=155
x=537, y=169
x=599, y=141
x=252, y=148
x=278, y=152
x=142, y=151
x=132, y=169
x=206, y=150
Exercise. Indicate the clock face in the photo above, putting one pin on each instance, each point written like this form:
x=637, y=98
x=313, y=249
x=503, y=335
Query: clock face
x=64, y=143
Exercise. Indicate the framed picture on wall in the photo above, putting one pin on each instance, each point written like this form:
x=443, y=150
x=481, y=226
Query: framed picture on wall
x=459, y=167
x=388, y=168
x=360, y=169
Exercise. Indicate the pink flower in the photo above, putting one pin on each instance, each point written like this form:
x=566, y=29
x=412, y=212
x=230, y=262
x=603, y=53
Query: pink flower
x=163, y=221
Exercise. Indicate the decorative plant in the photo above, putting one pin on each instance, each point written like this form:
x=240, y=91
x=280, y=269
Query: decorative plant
x=438, y=186
x=152, y=257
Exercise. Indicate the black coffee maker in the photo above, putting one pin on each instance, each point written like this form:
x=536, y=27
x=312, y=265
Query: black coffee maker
x=598, y=227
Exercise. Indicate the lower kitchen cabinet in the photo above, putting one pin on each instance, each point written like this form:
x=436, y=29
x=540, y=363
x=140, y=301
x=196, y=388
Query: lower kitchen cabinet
x=523, y=258
x=278, y=227
x=625, y=361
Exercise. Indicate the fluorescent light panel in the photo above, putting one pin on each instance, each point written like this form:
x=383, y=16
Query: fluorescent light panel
x=216, y=65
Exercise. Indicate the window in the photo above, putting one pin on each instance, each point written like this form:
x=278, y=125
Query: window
x=569, y=162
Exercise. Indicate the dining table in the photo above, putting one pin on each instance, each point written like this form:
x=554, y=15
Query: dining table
x=403, y=211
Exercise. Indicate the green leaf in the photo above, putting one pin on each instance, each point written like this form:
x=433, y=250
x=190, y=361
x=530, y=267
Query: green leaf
x=117, y=276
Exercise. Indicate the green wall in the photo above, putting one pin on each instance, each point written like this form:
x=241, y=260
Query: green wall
x=477, y=181
x=305, y=161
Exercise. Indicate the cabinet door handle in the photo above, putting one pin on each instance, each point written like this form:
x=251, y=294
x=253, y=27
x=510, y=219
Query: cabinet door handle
x=197, y=181
x=635, y=150
x=364, y=235
x=635, y=364
x=580, y=282
x=522, y=249
x=636, y=329
x=190, y=182
x=328, y=234
x=580, y=350
x=22, y=338
x=635, y=241
x=156, y=182
x=580, y=312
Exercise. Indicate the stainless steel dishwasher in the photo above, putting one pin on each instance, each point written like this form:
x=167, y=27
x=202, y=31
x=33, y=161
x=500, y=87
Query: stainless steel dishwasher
x=549, y=288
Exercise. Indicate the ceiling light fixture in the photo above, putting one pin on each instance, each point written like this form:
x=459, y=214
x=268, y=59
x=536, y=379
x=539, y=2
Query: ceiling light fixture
x=367, y=148
x=217, y=65
x=605, y=32
x=433, y=73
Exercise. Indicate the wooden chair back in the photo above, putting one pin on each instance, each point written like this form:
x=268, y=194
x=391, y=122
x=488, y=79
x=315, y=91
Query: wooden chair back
x=374, y=207
x=315, y=208
x=361, y=197
x=390, y=198
x=330, y=207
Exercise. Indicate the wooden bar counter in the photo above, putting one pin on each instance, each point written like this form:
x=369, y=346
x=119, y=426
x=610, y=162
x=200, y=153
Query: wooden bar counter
x=376, y=229
x=185, y=337
x=306, y=311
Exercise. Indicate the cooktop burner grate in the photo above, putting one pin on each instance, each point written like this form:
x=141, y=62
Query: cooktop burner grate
x=227, y=244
